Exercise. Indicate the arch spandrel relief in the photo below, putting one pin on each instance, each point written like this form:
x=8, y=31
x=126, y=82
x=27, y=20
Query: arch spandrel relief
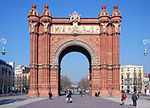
x=62, y=29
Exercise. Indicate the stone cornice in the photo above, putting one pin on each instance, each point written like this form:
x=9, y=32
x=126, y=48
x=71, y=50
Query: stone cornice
x=105, y=66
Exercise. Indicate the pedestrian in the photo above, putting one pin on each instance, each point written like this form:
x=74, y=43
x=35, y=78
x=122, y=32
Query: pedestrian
x=134, y=98
x=50, y=95
x=123, y=98
x=81, y=93
x=98, y=93
x=69, y=99
x=138, y=95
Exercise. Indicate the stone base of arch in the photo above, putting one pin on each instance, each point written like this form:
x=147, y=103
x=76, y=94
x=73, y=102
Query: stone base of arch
x=33, y=93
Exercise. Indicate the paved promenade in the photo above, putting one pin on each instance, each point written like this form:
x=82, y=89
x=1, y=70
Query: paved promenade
x=78, y=102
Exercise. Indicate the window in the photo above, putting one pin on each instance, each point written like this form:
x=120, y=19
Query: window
x=139, y=71
x=121, y=76
x=122, y=70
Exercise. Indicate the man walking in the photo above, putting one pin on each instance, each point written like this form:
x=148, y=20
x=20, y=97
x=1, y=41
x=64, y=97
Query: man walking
x=50, y=95
x=134, y=98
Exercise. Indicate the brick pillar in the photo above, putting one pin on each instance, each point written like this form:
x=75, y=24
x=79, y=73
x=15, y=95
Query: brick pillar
x=95, y=80
x=116, y=56
x=33, y=22
x=104, y=46
x=109, y=59
x=54, y=76
x=44, y=55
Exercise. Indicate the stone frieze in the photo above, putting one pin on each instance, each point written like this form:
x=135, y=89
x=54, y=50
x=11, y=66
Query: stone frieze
x=75, y=29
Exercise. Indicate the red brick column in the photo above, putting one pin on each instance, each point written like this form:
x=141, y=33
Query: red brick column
x=44, y=55
x=54, y=78
x=116, y=55
x=33, y=21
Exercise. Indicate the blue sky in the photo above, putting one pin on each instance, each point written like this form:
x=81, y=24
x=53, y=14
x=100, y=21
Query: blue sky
x=135, y=27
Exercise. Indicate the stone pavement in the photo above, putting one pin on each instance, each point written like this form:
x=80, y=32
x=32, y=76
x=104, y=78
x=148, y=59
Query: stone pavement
x=143, y=102
x=16, y=101
x=78, y=102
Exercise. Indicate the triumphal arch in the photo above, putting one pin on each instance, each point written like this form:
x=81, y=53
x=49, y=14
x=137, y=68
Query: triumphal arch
x=52, y=38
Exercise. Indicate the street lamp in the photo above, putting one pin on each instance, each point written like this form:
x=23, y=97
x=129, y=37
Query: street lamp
x=3, y=50
x=3, y=41
x=146, y=42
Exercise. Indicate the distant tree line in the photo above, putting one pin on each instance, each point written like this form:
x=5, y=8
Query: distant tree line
x=84, y=84
x=65, y=82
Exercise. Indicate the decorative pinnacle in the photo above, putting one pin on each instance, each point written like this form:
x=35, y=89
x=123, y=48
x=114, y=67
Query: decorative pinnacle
x=33, y=6
x=46, y=6
x=103, y=6
x=115, y=6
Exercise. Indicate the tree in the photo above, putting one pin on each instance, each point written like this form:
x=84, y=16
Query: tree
x=65, y=82
x=84, y=83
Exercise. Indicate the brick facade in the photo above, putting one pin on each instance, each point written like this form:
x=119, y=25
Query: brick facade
x=52, y=38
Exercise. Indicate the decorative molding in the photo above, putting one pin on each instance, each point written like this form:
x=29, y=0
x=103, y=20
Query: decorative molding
x=75, y=29
x=32, y=26
x=104, y=26
x=45, y=26
x=75, y=17
x=116, y=26
x=65, y=44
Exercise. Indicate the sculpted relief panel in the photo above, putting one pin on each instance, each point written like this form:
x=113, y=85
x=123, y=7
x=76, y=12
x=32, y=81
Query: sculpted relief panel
x=75, y=29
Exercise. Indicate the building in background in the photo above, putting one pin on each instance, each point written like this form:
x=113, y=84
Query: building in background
x=131, y=78
x=6, y=77
x=149, y=76
x=146, y=83
x=12, y=64
x=22, y=78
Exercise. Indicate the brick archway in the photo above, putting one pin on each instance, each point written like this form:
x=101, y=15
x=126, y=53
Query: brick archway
x=74, y=42
x=52, y=38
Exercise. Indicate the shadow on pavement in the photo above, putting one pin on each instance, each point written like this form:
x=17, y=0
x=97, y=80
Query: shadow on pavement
x=8, y=101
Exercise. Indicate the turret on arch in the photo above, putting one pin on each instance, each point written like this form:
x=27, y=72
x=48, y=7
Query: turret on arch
x=52, y=38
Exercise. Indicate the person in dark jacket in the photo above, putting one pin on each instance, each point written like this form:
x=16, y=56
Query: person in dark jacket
x=134, y=98
x=98, y=93
x=50, y=95
x=69, y=99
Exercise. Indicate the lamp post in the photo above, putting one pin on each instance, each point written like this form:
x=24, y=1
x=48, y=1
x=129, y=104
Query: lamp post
x=3, y=41
x=146, y=42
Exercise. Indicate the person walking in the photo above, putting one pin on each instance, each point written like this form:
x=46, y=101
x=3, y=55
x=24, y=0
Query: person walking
x=50, y=95
x=98, y=93
x=81, y=93
x=69, y=99
x=134, y=98
x=123, y=98
x=138, y=95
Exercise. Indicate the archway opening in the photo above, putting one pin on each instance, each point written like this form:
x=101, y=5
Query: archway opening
x=75, y=65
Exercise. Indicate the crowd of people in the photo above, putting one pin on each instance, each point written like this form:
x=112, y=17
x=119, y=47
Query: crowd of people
x=134, y=98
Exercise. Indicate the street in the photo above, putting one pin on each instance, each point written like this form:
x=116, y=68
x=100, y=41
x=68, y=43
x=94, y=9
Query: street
x=86, y=101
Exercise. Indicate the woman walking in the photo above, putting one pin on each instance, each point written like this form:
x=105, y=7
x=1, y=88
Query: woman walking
x=123, y=98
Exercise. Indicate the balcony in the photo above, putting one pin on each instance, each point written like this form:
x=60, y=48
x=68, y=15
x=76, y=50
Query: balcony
x=128, y=81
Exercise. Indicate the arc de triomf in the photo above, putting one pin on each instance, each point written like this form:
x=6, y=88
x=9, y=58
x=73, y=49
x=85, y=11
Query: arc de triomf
x=52, y=38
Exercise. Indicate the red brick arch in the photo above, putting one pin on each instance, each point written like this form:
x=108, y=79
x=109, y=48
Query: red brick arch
x=75, y=42
x=52, y=38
